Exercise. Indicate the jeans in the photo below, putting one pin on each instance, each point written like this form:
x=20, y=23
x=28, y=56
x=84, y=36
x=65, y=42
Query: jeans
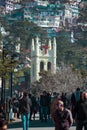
x=25, y=120
x=44, y=110
x=11, y=113
x=81, y=124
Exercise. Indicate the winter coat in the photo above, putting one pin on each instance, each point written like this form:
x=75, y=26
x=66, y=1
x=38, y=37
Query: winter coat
x=24, y=105
x=44, y=101
x=80, y=110
x=53, y=106
x=62, y=119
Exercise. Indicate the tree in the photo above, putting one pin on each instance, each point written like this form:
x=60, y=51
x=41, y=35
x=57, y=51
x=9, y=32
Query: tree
x=83, y=12
x=25, y=30
x=66, y=79
x=81, y=28
x=67, y=52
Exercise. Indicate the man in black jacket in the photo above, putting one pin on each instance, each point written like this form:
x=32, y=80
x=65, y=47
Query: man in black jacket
x=62, y=117
x=44, y=104
x=80, y=112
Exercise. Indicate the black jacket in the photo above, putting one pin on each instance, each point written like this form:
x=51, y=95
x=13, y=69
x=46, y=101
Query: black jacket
x=63, y=120
x=24, y=105
x=80, y=110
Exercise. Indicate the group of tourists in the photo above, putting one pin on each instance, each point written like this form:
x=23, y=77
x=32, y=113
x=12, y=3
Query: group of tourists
x=62, y=110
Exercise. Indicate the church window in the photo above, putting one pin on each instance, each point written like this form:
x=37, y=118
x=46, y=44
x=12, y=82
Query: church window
x=49, y=66
x=41, y=66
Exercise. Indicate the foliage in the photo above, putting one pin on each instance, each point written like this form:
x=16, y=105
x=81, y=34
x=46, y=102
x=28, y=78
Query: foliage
x=6, y=66
x=25, y=30
x=22, y=30
x=70, y=53
x=83, y=13
x=66, y=80
x=74, y=53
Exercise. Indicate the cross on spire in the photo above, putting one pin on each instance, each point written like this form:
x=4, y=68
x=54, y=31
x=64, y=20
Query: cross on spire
x=45, y=48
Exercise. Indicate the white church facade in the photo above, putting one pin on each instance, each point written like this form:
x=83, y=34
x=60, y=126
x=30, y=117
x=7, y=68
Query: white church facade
x=43, y=57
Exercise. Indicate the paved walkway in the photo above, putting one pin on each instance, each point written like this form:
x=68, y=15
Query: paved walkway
x=41, y=128
x=34, y=125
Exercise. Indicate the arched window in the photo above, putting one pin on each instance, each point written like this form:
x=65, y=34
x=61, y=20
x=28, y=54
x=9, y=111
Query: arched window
x=49, y=66
x=41, y=66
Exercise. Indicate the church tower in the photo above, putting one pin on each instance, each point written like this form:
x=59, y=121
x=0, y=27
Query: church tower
x=43, y=57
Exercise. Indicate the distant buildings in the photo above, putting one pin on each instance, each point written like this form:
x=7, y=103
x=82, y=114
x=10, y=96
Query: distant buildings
x=9, y=5
x=49, y=14
x=12, y=5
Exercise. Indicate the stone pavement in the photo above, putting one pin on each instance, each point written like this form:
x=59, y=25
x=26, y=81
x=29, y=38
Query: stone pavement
x=35, y=125
x=41, y=128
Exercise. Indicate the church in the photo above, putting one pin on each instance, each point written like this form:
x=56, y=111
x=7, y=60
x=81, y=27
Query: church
x=43, y=57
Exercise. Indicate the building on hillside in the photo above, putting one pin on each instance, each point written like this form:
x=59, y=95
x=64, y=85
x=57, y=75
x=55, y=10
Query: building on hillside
x=43, y=58
x=11, y=5
x=44, y=15
x=52, y=16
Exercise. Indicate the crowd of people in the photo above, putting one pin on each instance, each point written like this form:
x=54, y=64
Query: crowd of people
x=62, y=110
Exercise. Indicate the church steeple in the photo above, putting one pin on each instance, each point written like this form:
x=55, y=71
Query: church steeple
x=37, y=46
x=50, y=46
x=33, y=46
x=54, y=55
x=42, y=58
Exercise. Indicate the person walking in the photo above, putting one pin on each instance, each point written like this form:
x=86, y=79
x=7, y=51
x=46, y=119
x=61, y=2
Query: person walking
x=24, y=108
x=44, y=103
x=80, y=112
x=75, y=97
x=33, y=107
x=54, y=101
x=62, y=117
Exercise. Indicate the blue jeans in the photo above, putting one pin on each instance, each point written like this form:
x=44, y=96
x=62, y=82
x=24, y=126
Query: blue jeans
x=44, y=110
x=25, y=120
